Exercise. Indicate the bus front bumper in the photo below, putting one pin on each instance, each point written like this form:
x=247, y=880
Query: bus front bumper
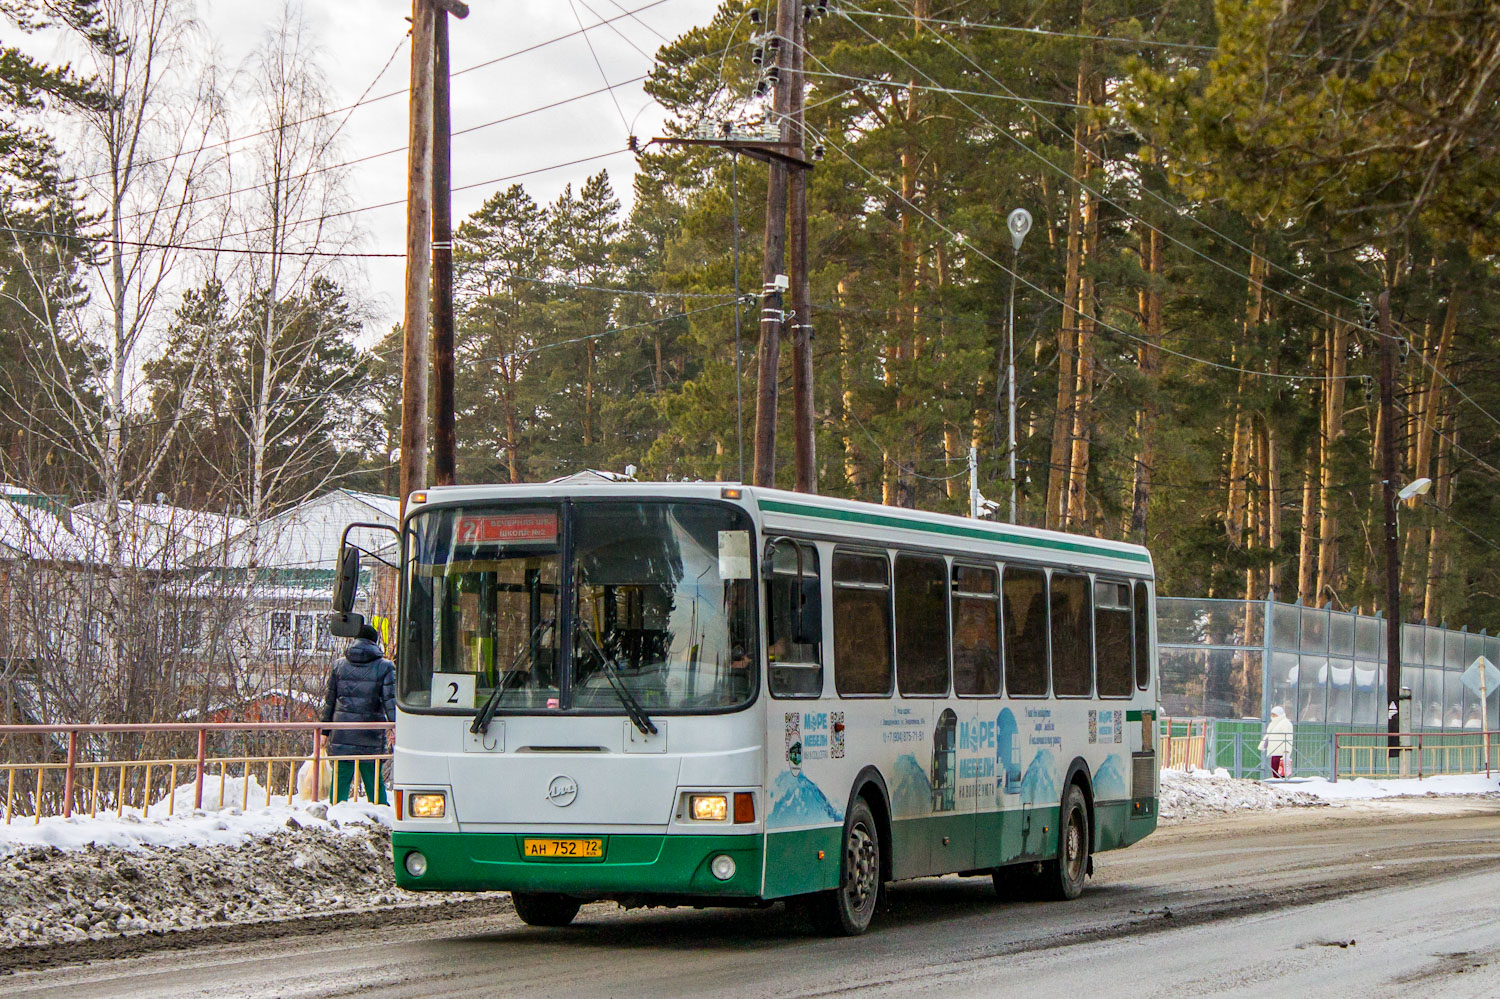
x=635, y=864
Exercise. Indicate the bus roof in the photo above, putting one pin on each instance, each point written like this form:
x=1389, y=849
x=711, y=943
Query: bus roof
x=781, y=508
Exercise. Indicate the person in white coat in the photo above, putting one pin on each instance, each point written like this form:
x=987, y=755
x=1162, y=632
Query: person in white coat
x=1277, y=742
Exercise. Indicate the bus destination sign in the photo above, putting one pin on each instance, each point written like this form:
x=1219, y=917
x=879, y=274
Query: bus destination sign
x=508, y=528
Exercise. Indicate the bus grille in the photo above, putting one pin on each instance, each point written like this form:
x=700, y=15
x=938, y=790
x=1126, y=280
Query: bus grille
x=1143, y=775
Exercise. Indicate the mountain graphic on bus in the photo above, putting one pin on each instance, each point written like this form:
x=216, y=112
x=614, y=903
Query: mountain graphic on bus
x=913, y=791
x=1109, y=780
x=1039, y=786
x=1007, y=753
x=797, y=801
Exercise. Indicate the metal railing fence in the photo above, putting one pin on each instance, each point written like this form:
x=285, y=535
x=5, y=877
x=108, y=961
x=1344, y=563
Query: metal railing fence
x=62, y=770
x=1183, y=745
x=1418, y=754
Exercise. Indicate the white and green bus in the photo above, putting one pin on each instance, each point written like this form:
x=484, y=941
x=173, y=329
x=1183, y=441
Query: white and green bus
x=692, y=693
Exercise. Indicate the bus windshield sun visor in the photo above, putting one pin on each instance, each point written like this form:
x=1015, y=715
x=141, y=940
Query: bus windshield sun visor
x=638, y=716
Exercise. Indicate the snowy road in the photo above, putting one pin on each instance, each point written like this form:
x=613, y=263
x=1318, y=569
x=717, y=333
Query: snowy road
x=1369, y=901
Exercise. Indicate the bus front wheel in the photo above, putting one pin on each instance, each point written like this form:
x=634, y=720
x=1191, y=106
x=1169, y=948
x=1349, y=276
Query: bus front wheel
x=848, y=909
x=541, y=908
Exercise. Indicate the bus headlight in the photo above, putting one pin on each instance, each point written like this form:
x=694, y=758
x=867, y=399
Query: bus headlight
x=708, y=808
x=427, y=806
x=416, y=864
x=722, y=867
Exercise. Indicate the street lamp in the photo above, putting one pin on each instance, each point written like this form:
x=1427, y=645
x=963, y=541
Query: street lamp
x=1019, y=224
x=1415, y=488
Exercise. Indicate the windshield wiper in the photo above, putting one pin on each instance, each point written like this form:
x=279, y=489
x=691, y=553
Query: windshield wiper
x=633, y=708
x=481, y=723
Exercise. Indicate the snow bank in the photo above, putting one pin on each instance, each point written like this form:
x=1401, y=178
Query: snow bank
x=136, y=829
x=217, y=794
x=66, y=880
x=57, y=896
x=1188, y=796
x=1200, y=794
x=1362, y=788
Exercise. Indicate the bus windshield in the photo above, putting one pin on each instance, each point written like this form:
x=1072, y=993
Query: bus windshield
x=659, y=591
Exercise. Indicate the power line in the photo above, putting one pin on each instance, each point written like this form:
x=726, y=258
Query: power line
x=904, y=469
x=1464, y=527
x=600, y=66
x=527, y=351
x=398, y=149
x=1045, y=32
x=1177, y=209
x=1448, y=440
x=637, y=20
x=352, y=254
x=399, y=93
x=1146, y=42
x=965, y=242
x=623, y=37
x=949, y=91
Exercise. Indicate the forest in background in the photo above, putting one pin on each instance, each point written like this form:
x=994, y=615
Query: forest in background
x=1219, y=193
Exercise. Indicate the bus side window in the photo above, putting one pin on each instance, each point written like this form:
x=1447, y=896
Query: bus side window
x=1024, y=602
x=1112, y=648
x=1142, y=636
x=1072, y=636
x=921, y=625
x=861, y=624
x=794, y=622
x=976, y=631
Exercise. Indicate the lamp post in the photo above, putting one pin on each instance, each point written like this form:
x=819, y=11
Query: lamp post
x=1411, y=491
x=1019, y=224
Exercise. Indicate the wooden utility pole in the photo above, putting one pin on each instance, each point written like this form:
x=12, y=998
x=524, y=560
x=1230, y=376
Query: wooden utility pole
x=1388, y=491
x=445, y=435
x=788, y=13
x=802, y=330
x=414, y=361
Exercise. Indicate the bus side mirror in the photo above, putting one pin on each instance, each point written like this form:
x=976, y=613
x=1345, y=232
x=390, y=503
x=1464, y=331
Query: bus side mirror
x=346, y=582
x=343, y=622
x=809, y=618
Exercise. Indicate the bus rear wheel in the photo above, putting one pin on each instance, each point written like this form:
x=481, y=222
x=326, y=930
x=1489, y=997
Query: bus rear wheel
x=1062, y=879
x=848, y=909
x=541, y=908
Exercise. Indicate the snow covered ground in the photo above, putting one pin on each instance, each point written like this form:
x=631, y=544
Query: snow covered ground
x=1194, y=795
x=1362, y=788
x=136, y=829
x=65, y=880
x=1201, y=794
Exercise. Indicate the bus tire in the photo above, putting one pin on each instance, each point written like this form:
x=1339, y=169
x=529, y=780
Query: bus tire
x=1062, y=878
x=848, y=909
x=544, y=908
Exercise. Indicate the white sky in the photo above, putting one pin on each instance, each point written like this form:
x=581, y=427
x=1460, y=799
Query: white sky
x=357, y=37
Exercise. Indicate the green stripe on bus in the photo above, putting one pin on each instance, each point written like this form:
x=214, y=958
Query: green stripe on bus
x=952, y=530
x=1137, y=715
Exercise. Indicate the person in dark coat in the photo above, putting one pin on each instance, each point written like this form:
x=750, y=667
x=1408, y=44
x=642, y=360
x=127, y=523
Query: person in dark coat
x=361, y=687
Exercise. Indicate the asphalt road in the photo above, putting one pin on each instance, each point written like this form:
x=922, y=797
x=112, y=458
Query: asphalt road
x=1374, y=901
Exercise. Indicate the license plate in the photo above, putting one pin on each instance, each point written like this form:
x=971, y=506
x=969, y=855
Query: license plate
x=580, y=848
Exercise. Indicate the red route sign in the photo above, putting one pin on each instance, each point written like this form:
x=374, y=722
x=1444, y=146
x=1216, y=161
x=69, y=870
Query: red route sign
x=508, y=528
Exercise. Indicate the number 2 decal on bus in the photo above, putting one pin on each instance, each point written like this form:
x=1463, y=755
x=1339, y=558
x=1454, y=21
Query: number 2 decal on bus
x=452, y=690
